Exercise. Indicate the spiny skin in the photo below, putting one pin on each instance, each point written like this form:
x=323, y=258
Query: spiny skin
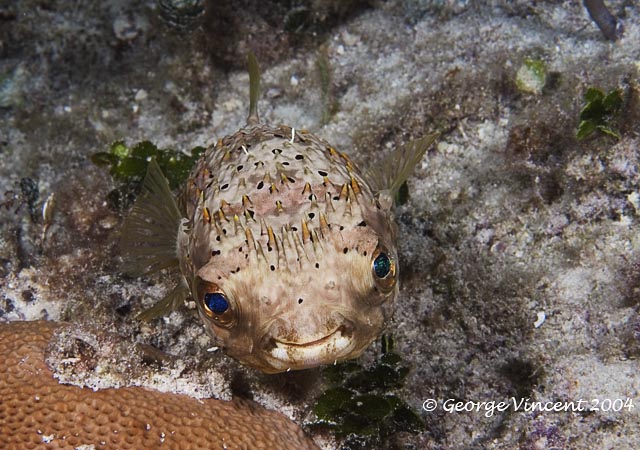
x=36, y=412
x=286, y=228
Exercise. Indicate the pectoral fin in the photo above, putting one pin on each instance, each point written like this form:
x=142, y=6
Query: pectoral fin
x=388, y=175
x=148, y=237
x=171, y=301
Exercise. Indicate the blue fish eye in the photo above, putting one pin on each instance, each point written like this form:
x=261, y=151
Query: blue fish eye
x=216, y=302
x=382, y=265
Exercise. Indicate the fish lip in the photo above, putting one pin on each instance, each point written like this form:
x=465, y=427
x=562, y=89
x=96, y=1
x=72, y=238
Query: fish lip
x=343, y=330
x=279, y=356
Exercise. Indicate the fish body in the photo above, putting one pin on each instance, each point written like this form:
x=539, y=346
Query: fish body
x=286, y=247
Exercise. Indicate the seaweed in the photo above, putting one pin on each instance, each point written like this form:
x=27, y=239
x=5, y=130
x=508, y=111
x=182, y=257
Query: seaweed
x=600, y=112
x=359, y=404
x=128, y=166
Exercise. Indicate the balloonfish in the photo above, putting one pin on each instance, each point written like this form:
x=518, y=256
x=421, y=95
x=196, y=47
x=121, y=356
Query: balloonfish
x=286, y=247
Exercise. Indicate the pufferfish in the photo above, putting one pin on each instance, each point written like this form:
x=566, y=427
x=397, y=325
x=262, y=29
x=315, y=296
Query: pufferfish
x=286, y=247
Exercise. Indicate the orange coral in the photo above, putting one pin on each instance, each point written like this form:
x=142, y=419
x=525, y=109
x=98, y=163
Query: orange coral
x=38, y=412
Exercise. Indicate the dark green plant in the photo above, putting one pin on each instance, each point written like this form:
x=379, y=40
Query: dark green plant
x=359, y=403
x=600, y=112
x=128, y=166
x=402, y=197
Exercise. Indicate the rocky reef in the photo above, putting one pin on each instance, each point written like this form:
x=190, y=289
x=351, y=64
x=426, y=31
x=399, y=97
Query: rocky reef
x=519, y=235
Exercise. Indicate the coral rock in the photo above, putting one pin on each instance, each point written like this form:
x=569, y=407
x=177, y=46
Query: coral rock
x=38, y=412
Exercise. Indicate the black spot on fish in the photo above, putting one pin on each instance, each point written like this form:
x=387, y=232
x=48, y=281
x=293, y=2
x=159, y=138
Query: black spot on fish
x=299, y=157
x=272, y=267
x=215, y=252
x=362, y=224
x=322, y=173
x=345, y=250
x=260, y=185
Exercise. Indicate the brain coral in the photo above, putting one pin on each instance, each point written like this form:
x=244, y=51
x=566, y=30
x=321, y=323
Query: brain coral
x=38, y=412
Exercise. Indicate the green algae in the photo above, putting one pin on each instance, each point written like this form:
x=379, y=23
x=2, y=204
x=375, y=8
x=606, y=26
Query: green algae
x=532, y=76
x=360, y=404
x=128, y=166
x=599, y=113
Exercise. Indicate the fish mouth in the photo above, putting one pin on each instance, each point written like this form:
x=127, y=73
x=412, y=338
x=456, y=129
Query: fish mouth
x=338, y=332
x=332, y=347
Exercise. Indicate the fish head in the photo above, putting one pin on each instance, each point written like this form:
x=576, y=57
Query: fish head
x=323, y=307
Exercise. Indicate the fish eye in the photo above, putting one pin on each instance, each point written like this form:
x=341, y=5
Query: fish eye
x=215, y=304
x=383, y=266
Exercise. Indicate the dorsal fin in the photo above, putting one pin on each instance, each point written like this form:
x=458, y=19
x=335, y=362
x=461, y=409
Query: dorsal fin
x=254, y=89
